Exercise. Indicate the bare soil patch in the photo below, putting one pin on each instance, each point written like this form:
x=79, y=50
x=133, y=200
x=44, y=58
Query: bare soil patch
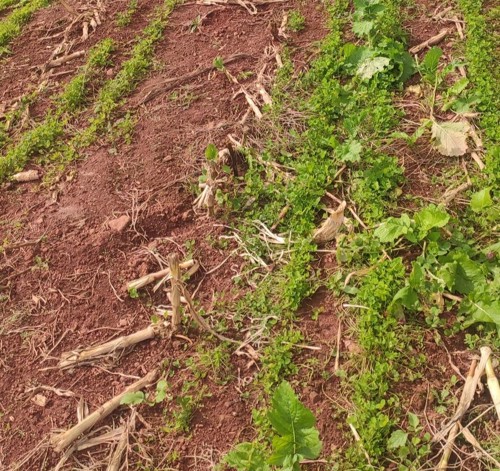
x=67, y=290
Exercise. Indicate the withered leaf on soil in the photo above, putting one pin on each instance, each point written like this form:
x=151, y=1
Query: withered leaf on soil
x=450, y=138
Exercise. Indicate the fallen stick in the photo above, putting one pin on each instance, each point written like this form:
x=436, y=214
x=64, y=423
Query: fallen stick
x=460, y=30
x=165, y=273
x=337, y=352
x=468, y=393
x=450, y=194
x=472, y=440
x=492, y=382
x=448, y=448
x=173, y=82
x=430, y=42
x=360, y=442
x=62, y=60
x=439, y=15
x=478, y=160
x=78, y=357
x=26, y=176
x=175, y=296
x=64, y=439
x=331, y=225
x=117, y=455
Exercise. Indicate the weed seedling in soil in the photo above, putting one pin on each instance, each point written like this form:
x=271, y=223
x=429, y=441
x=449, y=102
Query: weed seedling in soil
x=296, y=21
x=124, y=18
x=295, y=437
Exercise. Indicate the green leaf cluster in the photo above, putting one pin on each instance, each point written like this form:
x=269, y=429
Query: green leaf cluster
x=450, y=264
x=139, y=397
x=416, y=229
x=295, y=437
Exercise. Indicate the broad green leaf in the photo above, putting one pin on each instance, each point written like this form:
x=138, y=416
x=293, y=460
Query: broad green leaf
x=362, y=28
x=306, y=444
x=430, y=63
x=492, y=249
x=211, y=152
x=413, y=420
x=450, y=138
x=397, y=439
x=417, y=276
x=287, y=412
x=355, y=55
x=407, y=66
x=294, y=427
x=133, y=398
x=429, y=218
x=461, y=273
x=161, y=391
x=351, y=152
x=459, y=86
x=487, y=312
x=407, y=297
x=481, y=200
x=371, y=66
x=465, y=104
x=393, y=228
x=246, y=457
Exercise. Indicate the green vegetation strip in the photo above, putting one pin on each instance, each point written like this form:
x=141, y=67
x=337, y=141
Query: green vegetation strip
x=124, y=18
x=44, y=135
x=483, y=69
x=348, y=96
x=12, y=26
x=46, y=139
x=113, y=92
x=8, y=3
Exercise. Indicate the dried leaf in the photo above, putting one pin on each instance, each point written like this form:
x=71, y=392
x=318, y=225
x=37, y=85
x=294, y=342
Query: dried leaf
x=450, y=138
x=330, y=226
x=371, y=66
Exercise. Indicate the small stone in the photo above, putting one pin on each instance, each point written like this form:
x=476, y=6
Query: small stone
x=186, y=215
x=119, y=224
x=39, y=400
x=314, y=397
x=122, y=322
x=26, y=176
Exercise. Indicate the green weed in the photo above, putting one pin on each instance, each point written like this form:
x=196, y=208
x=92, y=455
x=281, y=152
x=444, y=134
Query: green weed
x=11, y=26
x=4, y=4
x=295, y=437
x=124, y=18
x=481, y=46
x=44, y=136
x=186, y=406
x=296, y=21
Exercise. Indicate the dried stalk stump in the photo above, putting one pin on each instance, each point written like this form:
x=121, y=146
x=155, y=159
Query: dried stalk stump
x=62, y=440
x=430, y=42
x=90, y=354
x=165, y=273
x=468, y=393
x=62, y=60
x=175, y=296
x=331, y=225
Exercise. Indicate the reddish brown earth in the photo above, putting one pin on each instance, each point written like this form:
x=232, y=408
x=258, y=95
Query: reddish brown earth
x=58, y=293
x=46, y=31
x=63, y=271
